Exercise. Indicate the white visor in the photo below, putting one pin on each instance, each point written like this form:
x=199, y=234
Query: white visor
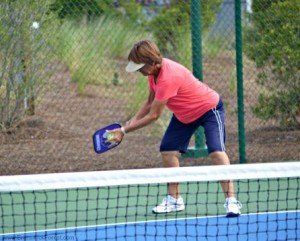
x=132, y=67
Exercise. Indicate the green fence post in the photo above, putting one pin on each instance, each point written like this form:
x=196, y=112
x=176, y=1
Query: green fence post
x=239, y=74
x=200, y=148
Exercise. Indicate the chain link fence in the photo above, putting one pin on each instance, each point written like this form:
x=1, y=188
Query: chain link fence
x=62, y=77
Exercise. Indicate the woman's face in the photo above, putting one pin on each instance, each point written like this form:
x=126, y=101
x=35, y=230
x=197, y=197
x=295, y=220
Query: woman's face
x=148, y=69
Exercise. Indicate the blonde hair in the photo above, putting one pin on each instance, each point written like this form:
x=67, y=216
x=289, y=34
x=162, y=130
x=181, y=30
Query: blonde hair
x=146, y=52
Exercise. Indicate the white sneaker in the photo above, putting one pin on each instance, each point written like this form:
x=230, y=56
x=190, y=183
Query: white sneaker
x=169, y=204
x=233, y=207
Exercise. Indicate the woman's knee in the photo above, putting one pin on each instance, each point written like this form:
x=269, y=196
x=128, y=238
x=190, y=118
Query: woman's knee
x=219, y=158
x=170, y=158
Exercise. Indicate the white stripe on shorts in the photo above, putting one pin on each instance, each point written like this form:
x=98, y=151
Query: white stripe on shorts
x=220, y=125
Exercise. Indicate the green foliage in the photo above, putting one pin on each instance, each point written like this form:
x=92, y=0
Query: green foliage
x=168, y=18
x=77, y=9
x=209, y=10
x=133, y=11
x=273, y=44
x=171, y=27
x=168, y=27
x=116, y=80
x=280, y=105
x=260, y=5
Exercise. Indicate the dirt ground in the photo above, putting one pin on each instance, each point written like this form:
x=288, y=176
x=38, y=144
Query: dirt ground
x=58, y=137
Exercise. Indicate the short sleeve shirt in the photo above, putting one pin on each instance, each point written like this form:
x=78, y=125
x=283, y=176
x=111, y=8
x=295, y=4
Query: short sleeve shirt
x=187, y=97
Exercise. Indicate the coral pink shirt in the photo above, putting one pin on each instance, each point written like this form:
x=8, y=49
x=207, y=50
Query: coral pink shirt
x=188, y=98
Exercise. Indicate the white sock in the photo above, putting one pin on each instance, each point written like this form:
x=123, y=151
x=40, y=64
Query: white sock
x=231, y=199
x=171, y=197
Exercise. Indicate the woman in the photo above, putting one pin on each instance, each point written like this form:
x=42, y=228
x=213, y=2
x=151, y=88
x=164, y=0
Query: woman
x=193, y=104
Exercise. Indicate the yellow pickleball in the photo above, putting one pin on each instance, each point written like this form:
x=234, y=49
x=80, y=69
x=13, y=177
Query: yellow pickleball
x=110, y=136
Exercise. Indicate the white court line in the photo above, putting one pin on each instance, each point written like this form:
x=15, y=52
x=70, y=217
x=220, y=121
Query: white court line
x=141, y=222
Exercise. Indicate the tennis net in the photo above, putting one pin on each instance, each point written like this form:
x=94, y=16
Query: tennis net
x=117, y=205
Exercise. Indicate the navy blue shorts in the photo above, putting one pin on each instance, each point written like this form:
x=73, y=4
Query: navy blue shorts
x=178, y=134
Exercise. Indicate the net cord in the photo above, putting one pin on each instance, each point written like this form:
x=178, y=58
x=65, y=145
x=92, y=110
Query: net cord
x=148, y=176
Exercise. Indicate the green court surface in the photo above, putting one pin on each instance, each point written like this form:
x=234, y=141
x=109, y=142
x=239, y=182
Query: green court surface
x=55, y=209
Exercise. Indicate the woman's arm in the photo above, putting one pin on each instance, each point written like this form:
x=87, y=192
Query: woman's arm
x=143, y=111
x=155, y=112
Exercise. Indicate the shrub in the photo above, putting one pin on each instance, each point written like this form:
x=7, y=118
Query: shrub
x=77, y=9
x=22, y=57
x=273, y=44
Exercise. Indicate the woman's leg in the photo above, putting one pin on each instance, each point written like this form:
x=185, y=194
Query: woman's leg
x=221, y=158
x=170, y=159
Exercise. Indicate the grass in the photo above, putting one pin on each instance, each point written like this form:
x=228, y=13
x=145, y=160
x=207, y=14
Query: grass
x=92, y=50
